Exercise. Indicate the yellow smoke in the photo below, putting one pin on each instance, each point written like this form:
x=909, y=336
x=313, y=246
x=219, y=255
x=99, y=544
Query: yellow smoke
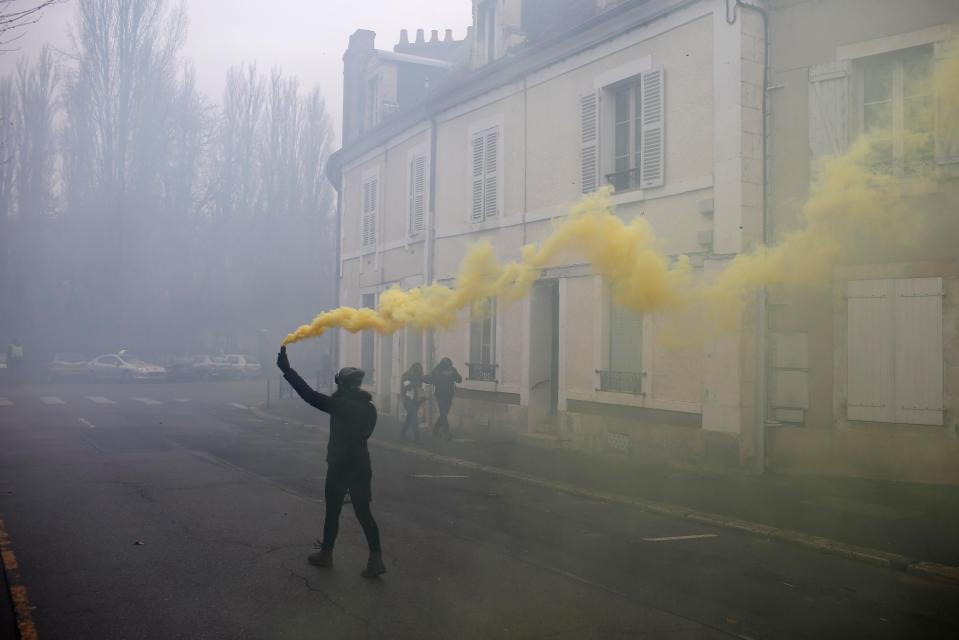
x=857, y=206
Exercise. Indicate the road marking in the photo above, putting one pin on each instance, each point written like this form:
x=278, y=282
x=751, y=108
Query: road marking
x=671, y=538
x=181, y=399
x=423, y=475
x=6, y=402
x=100, y=400
x=51, y=400
x=147, y=401
x=87, y=423
x=18, y=592
x=239, y=406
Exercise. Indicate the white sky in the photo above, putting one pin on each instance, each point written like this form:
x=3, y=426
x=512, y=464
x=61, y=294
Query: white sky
x=306, y=38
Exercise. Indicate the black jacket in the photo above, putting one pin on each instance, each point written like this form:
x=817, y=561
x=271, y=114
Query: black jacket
x=444, y=381
x=352, y=420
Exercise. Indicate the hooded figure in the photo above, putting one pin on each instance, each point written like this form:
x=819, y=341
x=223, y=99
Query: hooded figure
x=444, y=377
x=352, y=420
x=411, y=392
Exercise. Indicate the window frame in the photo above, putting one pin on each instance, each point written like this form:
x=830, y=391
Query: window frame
x=369, y=210
x=483, y=130
x=486, y=358
x=416, y=227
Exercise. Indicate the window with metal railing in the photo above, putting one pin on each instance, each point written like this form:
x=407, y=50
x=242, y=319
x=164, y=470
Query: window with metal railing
x=481, y=372
x=621, y=382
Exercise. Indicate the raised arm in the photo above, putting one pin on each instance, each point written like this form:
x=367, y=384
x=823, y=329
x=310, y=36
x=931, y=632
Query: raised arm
x=311, y=396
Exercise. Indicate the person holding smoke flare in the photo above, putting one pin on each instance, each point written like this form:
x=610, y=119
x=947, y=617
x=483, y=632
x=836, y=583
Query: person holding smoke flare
x=444, y=377
x=411, y=392
x=352, y=420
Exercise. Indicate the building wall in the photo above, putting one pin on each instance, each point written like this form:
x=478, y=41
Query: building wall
x=812, y=326
x=696, y=393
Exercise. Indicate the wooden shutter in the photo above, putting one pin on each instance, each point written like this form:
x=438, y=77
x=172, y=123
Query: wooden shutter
x=918, y=351
x=828, y=110
x=479, y=154
x=369, y=212
x=589, y=142
x=491, y=189
x=625, y=340
x=653, y=154
x=417, y=193
x=947, y=115
x=870, y=352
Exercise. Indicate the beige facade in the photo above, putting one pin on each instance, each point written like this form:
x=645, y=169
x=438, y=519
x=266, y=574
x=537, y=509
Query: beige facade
x=864, y=374
x=550, y=362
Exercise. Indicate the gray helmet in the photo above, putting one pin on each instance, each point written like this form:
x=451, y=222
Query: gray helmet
x=350, y=377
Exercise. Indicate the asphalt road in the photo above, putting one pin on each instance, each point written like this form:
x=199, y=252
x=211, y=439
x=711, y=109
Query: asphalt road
x=172, y=511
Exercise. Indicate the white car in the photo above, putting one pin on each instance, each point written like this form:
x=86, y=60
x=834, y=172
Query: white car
x=240, y=366
x=124, y=368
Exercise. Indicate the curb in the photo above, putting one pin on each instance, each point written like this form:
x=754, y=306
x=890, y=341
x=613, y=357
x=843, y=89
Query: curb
x=866, y=555
x=18, y=592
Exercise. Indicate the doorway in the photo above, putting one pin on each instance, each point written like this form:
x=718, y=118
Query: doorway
x=543, y=396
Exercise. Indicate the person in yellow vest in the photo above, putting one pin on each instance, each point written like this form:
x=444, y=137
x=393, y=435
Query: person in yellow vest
x=15, y=361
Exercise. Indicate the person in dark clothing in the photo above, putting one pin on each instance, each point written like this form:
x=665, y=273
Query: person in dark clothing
x=444, y=377
x=411, y=391
x=14, y=362
x=352, y=420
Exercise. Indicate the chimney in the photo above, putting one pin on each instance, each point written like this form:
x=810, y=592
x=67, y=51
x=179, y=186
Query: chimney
x=355, y=60
x=404, y=37
x=449, y=36
x=434, y=36
x=420, y=39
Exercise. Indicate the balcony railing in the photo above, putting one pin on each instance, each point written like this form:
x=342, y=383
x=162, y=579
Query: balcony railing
x=621, y=382
x=624, y=180
x=481, y=372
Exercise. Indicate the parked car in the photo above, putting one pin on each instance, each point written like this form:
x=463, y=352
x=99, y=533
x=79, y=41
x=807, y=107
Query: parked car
x=240, y=366
x=69, y=366
x=199, y=367
x=124, y=368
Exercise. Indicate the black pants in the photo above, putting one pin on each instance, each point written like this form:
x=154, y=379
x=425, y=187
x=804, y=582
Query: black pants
x=412, y=418
x=442, y=422
x=339, y=480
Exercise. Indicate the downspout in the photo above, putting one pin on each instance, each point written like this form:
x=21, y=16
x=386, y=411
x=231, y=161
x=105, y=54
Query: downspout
x=338, y=240
x=762, y=365
x=429, y=250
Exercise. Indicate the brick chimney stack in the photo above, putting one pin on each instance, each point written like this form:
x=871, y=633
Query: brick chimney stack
x=355, y=61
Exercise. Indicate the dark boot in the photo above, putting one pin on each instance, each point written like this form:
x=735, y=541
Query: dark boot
x=374, y=566
x=322, y=558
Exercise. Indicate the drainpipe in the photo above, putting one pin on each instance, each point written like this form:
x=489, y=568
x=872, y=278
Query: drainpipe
x=429, y=250
x=339, y=265
x=762, y=396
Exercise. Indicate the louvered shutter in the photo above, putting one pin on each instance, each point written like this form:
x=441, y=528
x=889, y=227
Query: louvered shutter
x=369, y=212
x=918, y=351
x=589, y=142
x=625, y=340
x=653, y=156
x=417, y=193
x=491, y=190
x=479, y=155
x=947, y=115
x=870, y=351
x=828, y=110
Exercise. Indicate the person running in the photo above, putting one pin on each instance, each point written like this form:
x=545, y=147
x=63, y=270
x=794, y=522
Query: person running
x=352, y=420
x=14, y=362
x=444, y=377
x=411, y=391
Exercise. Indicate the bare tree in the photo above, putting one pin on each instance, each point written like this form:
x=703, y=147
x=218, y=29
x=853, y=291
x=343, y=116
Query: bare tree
x=37, y=104
x=15, y=15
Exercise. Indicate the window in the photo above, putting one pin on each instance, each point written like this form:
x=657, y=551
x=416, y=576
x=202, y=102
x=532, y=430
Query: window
x=368, y=301
x=485, y=164
x=372, y=102
x=370, y=194
x=897, y=108
x=625, y=372
x=633, y=134
x=417, y=199
x=482, y=364
x=894, y=351
x=486, y=31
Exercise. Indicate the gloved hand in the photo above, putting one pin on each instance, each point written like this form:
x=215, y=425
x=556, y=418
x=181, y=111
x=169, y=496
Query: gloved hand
x=282, y=361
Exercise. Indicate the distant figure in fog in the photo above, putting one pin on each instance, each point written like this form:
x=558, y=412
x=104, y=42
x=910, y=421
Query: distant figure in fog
x=411, y=391
x=352, y=420
x=444, y=377
x=14, y=362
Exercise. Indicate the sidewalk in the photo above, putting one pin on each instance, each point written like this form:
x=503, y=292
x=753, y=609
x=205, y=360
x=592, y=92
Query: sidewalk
x=917, y=522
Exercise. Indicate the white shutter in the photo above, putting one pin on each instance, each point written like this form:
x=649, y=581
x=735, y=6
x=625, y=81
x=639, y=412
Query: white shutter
x=417, y=193
x=479, y=155
x=828, y=109
x=625, y=340
x=653, y=154
x=947, y=115
x=589, y=142
x=369, y=212
x=491, y=190
x=870, y=352
x=919, y=351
